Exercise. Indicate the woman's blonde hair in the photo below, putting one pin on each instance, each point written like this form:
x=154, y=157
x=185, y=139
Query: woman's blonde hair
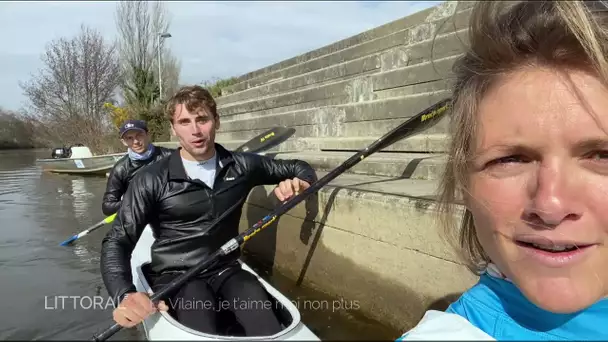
x=505, y=36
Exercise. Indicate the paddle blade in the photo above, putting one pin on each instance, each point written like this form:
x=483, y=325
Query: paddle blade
x=416, y=124
x=69, y=241
x=110, y=218
x=267, y=140
x=107, y=220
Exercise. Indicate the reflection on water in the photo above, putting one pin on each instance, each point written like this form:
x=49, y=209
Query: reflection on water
x=38, y=211
x=81, y=197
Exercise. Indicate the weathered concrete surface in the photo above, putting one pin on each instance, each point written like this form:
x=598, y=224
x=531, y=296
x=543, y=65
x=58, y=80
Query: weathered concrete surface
x=370, y=240
x=433, y=15
x=404, y=165
x=402, y=107
x=313, y=79
x=422, y=143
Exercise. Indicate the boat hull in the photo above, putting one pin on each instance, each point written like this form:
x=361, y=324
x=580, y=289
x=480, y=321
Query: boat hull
x=98, y=165
x=162, y=326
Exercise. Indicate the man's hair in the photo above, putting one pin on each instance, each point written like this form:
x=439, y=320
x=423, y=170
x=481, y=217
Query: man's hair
x=195, y=98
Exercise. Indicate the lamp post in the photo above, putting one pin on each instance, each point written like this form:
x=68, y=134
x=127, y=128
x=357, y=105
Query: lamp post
x=160, y=77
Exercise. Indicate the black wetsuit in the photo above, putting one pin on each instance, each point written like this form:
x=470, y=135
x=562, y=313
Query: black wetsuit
x=121, y=174
x=179, y=211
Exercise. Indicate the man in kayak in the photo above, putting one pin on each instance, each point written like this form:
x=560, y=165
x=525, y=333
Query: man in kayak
x=179, y=197
x=141, y=152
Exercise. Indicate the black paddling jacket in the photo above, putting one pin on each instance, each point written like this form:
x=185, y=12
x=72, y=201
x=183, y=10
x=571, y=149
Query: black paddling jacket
x=121, y=175
x=179, y=211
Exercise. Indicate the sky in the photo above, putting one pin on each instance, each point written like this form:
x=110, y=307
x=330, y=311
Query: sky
x=211, y=39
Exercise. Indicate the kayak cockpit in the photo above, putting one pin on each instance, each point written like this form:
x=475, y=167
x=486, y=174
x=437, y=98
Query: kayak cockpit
x=163, y=326
x=228, y=324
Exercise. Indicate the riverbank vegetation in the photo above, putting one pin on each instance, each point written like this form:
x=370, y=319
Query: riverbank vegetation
x=217, y=86
x=15, y=131
x=88, y=85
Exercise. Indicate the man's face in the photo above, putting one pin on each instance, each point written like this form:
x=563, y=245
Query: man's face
x=136, y=140
x=196, y=132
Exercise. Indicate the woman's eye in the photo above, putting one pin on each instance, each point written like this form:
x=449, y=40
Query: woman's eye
x=508, y=159
x=598, y=155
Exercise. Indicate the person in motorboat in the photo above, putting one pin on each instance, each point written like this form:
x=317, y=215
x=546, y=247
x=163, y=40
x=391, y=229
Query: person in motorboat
x=179, y=197
x=140, y=152
x=529, y=159
x=61, y=152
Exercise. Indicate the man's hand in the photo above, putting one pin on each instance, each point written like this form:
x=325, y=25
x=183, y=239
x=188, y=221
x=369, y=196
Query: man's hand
x=135, y=308
x=289, y=188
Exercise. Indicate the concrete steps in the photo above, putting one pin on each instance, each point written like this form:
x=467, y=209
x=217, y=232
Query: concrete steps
x=385, y=108
x=341, y=89
x=370, y=118
x=401, y=165
x=413, y=29
x=438, y=69
x=315, y=78
x=447, y=45
x=421, y=143
x=374, y=33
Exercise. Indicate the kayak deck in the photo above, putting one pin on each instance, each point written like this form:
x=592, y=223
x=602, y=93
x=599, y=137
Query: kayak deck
x=163, y=326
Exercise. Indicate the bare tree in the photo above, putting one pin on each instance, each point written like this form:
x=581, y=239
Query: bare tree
x=66, y=97
x=139, y=23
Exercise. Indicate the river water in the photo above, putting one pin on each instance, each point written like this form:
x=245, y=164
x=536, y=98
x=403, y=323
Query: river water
x=40, y=210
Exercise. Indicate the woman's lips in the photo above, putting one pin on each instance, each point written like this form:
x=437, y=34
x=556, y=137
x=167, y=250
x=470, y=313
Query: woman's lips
x=554, y=253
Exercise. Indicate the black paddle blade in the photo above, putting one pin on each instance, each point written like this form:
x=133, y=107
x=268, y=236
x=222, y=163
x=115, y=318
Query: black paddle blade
x=267, y=140
x=416, y=124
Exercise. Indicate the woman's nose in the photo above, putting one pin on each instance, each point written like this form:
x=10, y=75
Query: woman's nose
x=552, y=196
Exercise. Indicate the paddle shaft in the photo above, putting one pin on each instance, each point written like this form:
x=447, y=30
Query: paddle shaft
x=88, y=230
x=420, y=122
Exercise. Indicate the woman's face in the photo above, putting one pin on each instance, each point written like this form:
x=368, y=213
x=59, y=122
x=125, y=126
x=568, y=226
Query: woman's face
x=539, y=185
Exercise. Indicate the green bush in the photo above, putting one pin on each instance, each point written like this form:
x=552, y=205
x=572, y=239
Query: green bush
x=217, y=86
x=158, y=126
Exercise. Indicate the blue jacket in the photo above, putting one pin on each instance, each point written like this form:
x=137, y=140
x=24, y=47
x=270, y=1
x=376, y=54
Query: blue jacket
x=495, y=309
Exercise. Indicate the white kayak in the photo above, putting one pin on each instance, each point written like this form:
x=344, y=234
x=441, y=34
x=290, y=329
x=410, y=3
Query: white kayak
x=162, y=326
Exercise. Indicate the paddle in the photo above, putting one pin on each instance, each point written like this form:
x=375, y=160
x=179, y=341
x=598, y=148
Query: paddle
x=267, y=140
x=262, y=142
x=88, y=230
x=421, y=121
